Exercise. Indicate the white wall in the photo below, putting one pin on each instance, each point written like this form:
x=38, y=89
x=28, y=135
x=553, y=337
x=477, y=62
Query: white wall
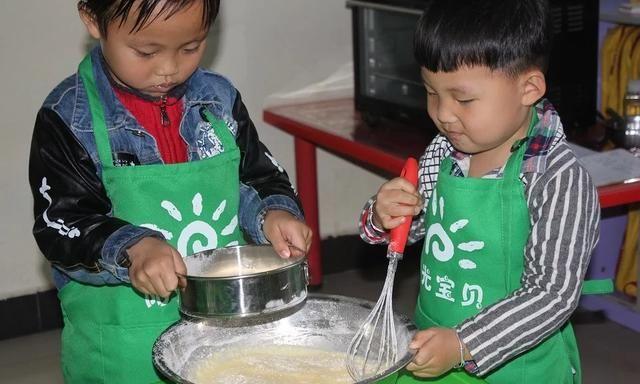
x=264, y=46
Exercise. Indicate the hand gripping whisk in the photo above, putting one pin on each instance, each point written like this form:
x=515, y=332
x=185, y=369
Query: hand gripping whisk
x=374, y=348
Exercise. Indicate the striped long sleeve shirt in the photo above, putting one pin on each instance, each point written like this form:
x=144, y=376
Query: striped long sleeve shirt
x=564, y=215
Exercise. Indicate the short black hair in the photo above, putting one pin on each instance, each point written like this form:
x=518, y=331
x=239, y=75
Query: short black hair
x=107, y=11
x=507, y=35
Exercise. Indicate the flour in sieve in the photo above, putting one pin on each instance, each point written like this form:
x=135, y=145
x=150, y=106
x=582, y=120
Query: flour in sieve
x=234, y=270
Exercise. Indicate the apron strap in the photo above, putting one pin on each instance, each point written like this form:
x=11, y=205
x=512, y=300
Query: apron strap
x=514, y=164
x=219, y=128
x=97, y=113
x=597, y=286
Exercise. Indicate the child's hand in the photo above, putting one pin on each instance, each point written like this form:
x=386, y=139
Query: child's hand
x=395, y=200
x=288, y=235
x=154, y=265
x=438, y=352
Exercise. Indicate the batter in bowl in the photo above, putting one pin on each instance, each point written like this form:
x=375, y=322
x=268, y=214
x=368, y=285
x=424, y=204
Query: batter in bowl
x=274, y=364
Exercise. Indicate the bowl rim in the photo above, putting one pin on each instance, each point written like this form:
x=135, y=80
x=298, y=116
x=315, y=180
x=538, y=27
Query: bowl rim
x=159, y=364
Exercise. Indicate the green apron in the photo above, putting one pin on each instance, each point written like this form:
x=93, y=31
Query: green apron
x=476, y=232
x=109, y=331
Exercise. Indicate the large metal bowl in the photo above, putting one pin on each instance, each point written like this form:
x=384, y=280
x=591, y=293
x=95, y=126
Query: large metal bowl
x=325, y=322
x=242, y=281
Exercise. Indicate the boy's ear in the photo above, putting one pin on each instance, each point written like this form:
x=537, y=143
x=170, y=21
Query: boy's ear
x=533, y=85
x=90, y=23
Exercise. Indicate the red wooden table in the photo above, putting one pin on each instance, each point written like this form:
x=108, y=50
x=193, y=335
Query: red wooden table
x=337, y=127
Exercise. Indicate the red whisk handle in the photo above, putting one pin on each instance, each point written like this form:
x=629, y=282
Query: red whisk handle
x=399, y=234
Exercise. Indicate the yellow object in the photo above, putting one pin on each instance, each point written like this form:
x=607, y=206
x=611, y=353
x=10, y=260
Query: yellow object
x=627, y=276
x=620, y=63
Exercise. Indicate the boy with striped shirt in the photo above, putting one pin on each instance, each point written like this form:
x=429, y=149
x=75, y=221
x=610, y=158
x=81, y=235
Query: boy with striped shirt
x=510, y=218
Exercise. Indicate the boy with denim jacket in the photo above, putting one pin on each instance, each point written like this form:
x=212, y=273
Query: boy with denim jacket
x=140, y=159
x=511, y=217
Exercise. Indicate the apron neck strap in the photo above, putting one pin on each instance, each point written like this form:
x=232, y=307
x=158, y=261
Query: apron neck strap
x=97, y=112
x=518, y=150
x=219, y=127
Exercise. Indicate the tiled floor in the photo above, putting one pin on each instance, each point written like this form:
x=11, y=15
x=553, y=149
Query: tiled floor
x=610, y=353
x=31, y=359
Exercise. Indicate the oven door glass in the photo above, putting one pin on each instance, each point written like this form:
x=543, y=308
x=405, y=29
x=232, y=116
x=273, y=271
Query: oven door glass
x=388, y=70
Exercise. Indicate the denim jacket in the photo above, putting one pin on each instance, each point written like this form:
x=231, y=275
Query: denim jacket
x=74, y=226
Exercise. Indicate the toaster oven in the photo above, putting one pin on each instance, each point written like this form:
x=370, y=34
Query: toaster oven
x=387, y=78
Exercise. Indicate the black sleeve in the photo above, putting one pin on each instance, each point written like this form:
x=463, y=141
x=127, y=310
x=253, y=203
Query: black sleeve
x=258, y=168
x=71, y=207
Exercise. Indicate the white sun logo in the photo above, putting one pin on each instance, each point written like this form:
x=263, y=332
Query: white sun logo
x=196, y=227
x=442, y=247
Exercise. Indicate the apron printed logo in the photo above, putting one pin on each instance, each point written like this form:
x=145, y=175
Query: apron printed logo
x=445, y=288
x=439, y=242
x=58, y=225
x=426, y=278
x=151, y=300
x=472, y=294
x=196, y=227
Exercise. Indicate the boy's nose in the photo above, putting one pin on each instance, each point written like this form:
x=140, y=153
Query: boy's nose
x=444, y=114
x=168, y=67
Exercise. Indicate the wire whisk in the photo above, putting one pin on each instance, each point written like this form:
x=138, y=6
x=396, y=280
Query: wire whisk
x=374, y=348
x=377, y=332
